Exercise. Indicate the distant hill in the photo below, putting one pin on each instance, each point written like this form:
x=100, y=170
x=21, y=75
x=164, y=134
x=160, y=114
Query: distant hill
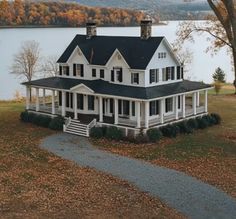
x=166, y=9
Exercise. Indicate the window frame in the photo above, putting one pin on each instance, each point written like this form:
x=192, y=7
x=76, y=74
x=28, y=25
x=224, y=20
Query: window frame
x=134, y=77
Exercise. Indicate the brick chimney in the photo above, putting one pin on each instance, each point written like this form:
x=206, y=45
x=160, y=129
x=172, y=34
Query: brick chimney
x=146, y=28
x=91, y=29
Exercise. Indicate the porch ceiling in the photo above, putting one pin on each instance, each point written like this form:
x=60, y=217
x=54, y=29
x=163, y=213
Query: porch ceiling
x=104, y=87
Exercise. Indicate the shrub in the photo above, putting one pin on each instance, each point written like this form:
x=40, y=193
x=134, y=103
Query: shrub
x=216, y=117
x=192, y=123
x=57, y=123
x=44, y=121
x=202, y=122
x=170, y=131
x=113, y=133
x=154, y=135
x=97, y=132
x=184, y=127
x=24, y=116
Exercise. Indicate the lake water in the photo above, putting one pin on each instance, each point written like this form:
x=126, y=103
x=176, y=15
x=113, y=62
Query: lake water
x=53, y=41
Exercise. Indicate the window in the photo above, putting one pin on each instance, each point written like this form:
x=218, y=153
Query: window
x=94, y=73
x=69, y=100
x=168, y=73
x=90, y=102
x=154, y=107
x=101, y=73
x=64, y=70
x=133, y=108
x=118, y=74
x=80, y=101
x=154, y=75
x=78, y=70
x=123, y=107
x=111, y=105
x=162, y=55
x=169, y=105
x=134, y=78
x=60, y=98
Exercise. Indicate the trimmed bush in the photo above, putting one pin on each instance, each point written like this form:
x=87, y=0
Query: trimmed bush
x=97, y=132
x=57, y=123
x=24, y=116
x=202, y=122
x=113, y=133
x=192, y=123
x=170, y=131
x=154, y=135
x=216, y=117
x=184, y=127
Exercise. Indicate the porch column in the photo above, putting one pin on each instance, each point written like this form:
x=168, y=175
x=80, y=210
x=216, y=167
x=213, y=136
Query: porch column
x=44, y=96
x=116, y=111
x=100, y=110
x=27, y=98
x=176, y=107
x=198, y=99
x=53, y=102
x=137, y=111
x=194, y=103
x=162, y=102
x=37, y=99
x=183, y=106
x=63, y=103
x=206, y=103
x=75, y=105
x=146, y=114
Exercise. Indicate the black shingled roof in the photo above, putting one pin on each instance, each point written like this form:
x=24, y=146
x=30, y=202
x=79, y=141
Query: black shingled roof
x=104, y=87
x=99, y=49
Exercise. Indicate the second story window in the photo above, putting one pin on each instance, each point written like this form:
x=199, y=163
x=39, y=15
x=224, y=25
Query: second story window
x=154, y=75
x=102, y=73
x=117, y=74
x=168, y=73
x=180, y=71
x=134, y=78
x=64, y=70
x=78, y=70
x=94, y=73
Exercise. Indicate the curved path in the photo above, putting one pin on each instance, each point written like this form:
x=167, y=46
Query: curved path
x=188, y=195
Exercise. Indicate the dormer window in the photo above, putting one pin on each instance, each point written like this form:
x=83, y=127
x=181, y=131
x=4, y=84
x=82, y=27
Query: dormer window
x=134, y=78
x=94, y=73
x=102, y=73
x=117, y=74
x=64, y=70
x=168, y=73
x=78, y=70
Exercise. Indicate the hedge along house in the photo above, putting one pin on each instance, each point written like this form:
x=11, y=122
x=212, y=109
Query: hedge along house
x=133, y=83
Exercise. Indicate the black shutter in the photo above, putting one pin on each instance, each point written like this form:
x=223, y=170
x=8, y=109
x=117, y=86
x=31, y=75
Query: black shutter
x=150, y=108
x=111, y=106
x=178, y=72
x=112, y=75
x=71, y=100
x=150, y=76
x=133, y=108
x=157, y=107
x=166, y=103
x=60, y=70
x=60, y=98
x=67, y=99
x=138, y=79
x=82, y=70
x=172, y=73
x=182, y=72
x=121, y=75
x=119, y=106
x=67, y=70
x=74, y=69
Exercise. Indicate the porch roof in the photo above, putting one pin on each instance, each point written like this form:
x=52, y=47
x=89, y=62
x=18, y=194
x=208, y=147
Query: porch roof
x=104, y=87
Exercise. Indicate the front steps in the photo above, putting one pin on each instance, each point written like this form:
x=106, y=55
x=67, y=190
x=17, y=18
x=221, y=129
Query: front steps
x=75, y=127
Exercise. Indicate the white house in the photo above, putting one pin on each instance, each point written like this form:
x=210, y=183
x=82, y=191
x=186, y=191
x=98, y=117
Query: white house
x=132, y=83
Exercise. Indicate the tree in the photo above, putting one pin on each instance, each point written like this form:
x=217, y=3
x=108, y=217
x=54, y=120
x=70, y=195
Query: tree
x=49, y=66
x=219, y=75
x=222, y=27
x=25, y=62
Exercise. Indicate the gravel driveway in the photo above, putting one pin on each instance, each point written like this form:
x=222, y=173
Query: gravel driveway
x=188, y=195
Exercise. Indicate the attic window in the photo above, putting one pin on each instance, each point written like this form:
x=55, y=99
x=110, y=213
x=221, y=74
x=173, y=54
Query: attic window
x=161, y=55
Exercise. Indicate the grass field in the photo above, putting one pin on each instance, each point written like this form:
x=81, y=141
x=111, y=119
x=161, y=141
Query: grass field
x=209, y=154
x=37, y=184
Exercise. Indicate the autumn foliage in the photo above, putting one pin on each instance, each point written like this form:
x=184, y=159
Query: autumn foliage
x=18, y=12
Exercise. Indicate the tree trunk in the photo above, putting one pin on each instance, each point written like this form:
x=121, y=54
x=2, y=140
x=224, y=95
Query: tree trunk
x=30, y=94
x=234, y=57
